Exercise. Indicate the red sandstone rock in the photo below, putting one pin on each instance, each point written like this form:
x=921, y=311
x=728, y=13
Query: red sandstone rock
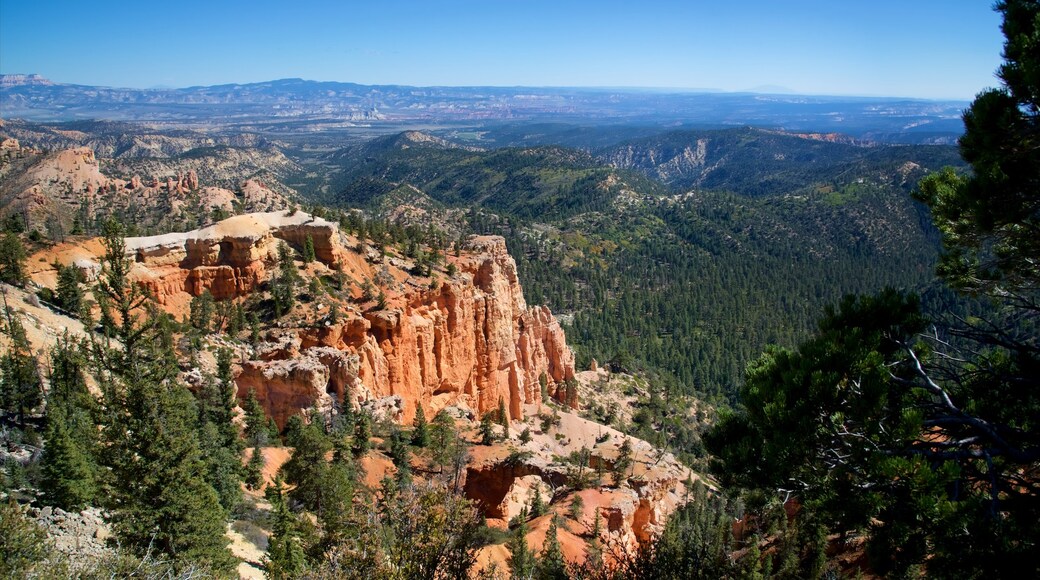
x=471, y=342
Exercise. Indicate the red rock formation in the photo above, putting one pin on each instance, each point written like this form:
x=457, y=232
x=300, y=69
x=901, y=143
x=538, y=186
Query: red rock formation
x=470, y=342
x=229, y=258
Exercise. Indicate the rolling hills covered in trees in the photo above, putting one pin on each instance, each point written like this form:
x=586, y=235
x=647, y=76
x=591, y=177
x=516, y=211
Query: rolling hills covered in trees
x=691, y=275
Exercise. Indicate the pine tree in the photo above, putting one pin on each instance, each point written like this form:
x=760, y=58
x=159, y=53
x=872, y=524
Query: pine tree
x=551, y=564
x=21, y=388
x=69, y=464
x=501, y=415
x=537, y=503
x=12, y=260
x=400, y=455
x=23, y=543
x=362, y=434
x=201, y=311
x=283, y=286
x=522, y=560
x=308, y=250
x=69, y=476
x=307, y=467
x=285, y=558
x=70, y=294
x=254, y=477
x=159, y=499
x=623, y=463
x=487, y=433
x=421, y=431
x=256, y=431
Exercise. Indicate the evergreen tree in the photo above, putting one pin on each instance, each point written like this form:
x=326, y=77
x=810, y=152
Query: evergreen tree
x=255, y=419
x=68, y=472
x=23, y=543
x=222, y=464
x=501, y=415
x=158, y=497
x=400, y=455
x=487, y=433
x=308, y=250
x=362, y=434
x=285, y=558
x=254, y=476
x=201, y=311
x=307, y=467
x=551, y=564
x=915, y=430
x=623, y=462
x=70, y=294
x=284, y=284
x=338, y=517
x=420, y=431
x=12, y=260
x=21, y=388
x=218, y=435
x=537, y=503
x=522, y=560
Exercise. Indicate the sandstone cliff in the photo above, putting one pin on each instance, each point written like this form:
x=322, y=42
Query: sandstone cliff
x=470, y=341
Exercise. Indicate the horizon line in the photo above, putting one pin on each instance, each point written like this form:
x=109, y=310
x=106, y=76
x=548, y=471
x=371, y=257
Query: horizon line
x=624, y=88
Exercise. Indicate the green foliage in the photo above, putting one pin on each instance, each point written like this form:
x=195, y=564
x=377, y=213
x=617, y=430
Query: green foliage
x=258, y=429
x=487, y=432
x=306, y=468
x=696, y=544
x=285, y=557
x=23, y=544
x=400, y=455
x=254, y=474
x=522, y=560
x=70, y=294
x=623, y=463
x=159, y=499
x=308, y=250
x=419, y=532
x=538, y=506
x=69, y=474
x=21, y=388
x=922, y=438
x=12, y=260
x=201, y=311
x=580, y=474
x=989, y=219
x=362, y=434
x=420, y=430
x=284, y=284
x=551, y=564
x=577, y=507
x=69, y=464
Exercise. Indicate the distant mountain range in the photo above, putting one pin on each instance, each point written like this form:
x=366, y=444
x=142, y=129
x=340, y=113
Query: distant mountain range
x=291, y=105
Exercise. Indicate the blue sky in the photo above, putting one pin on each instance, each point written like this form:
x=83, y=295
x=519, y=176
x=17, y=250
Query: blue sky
x=913, y=48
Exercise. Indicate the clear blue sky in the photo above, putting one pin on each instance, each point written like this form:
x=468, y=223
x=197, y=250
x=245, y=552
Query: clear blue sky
x=915, y=48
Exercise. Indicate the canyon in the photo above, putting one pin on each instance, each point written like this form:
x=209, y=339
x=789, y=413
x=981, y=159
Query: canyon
x=461, y=339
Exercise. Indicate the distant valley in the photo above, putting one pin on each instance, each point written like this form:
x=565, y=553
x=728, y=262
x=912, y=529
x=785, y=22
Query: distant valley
x=326, y=111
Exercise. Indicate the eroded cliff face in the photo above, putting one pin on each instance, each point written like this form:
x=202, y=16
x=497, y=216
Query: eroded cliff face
x=229, y=258
x=632, y=508
x=469, y=341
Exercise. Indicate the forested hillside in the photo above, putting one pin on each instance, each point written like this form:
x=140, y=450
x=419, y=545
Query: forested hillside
x=692, y=282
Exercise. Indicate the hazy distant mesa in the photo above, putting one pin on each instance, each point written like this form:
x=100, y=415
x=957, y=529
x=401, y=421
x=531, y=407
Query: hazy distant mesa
x=273, y=104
